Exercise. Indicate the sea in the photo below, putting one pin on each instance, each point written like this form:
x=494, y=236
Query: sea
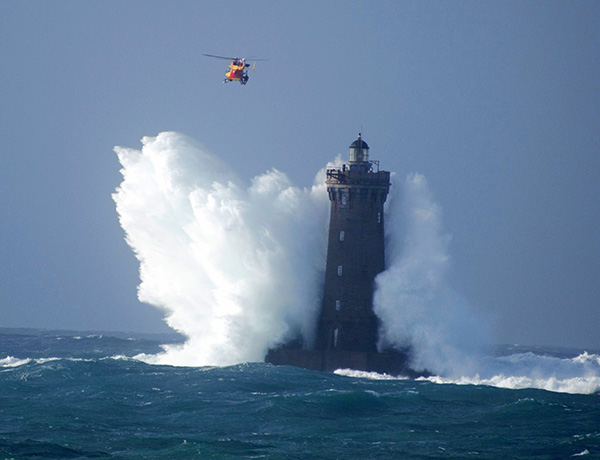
x=69, y=395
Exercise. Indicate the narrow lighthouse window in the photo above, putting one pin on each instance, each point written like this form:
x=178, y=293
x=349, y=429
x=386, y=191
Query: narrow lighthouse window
x=342, y=234
x=339, y=270
x=338, y=305
x=378, y=217
x=344, y=198
x=335, y=337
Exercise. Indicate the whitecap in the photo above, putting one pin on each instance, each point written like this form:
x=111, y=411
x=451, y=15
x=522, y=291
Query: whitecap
x=574, y=385
x=367, y=375
x=11, y=361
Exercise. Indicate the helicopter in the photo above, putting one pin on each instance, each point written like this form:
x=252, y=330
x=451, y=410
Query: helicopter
x=237, y=68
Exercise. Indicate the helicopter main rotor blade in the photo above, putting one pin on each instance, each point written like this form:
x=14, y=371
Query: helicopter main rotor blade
x=219, y=57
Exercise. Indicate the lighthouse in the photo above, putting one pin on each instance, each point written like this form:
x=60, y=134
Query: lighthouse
x=355, y=252
x=347, y=327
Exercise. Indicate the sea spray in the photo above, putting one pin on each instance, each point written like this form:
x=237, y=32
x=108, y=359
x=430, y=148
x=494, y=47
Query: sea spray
x=416, y=306
x=420, y=310
x=236, y=269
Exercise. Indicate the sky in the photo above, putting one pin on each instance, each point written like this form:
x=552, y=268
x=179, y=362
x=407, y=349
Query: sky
x=497, y=104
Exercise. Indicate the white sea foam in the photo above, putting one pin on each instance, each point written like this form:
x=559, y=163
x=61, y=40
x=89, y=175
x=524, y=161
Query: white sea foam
x=580, y=374
x=46, y=360
x=575, y=385
x=11, y=361
x=238, y=268
x=367, y=375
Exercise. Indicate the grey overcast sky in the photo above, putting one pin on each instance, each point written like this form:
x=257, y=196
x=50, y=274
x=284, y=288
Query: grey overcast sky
x=497, y=104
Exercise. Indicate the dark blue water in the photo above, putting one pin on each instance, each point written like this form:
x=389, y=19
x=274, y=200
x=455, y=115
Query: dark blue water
x=76, y=396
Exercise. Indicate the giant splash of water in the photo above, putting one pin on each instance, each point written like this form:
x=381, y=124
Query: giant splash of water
x=416, y=306
x=238, y=269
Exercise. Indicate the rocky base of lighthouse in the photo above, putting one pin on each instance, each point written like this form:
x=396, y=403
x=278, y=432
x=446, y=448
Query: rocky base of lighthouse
x=391, y=363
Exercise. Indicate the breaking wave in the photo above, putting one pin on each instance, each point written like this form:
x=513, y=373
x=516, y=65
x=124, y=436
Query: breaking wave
x=235, y=268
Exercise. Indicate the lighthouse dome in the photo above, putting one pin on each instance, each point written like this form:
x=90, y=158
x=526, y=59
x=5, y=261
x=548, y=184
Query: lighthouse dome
x=359, y=151
x=359, y=144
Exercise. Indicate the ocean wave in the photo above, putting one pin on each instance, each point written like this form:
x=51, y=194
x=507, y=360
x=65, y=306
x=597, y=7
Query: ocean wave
x=367, y=375
x=11, y=361
x=152, y=359
x=45, y=360
x=586, y=357
x=577, y=375
x=574, y=385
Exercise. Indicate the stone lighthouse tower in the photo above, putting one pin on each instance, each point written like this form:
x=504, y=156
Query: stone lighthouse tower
x=355, y=252
x=347, y=327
